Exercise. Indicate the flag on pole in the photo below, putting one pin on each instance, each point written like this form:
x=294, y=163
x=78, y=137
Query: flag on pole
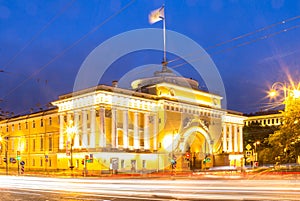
x=157, y=15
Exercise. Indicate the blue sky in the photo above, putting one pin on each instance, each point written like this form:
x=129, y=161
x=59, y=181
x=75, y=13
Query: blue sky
x=42, y=44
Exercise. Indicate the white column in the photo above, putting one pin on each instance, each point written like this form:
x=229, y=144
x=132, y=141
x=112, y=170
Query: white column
x=230, y=139
x=136, y=136
x=76, y=124
x=241, y=138
x=61, y=130
x=155, y=132
x=102, y=137
x=69, y=118
x=236, y=148
x=225, y=137
x=146, y=132
x=84, y=129
x=93, y=125
x=113, y=128
x=125, y=129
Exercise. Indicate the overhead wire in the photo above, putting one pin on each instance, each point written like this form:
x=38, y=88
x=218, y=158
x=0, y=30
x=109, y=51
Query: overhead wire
x=243, y=36
x=243, y=44
x=70, y=47
x=38, y=33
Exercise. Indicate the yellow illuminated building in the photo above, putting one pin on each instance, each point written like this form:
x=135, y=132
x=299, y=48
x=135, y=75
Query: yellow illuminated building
x=163, y=118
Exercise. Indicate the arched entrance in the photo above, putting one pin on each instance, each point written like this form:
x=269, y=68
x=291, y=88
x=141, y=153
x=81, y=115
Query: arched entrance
x=194, y=147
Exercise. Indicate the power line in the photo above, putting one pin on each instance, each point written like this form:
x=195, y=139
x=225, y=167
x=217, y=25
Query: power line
x=38, y=33
x=242, y=36
x=243, y=44
x=70, y=47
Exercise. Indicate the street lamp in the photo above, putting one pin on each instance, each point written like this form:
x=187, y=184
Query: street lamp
x=291, y=91
x=71, y=131
x=5, y=141
x=255, y=149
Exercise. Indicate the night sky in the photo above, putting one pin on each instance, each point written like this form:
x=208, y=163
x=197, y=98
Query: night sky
x=43, y=44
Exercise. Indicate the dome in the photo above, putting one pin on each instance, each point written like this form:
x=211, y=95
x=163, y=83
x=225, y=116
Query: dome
x=165, y=75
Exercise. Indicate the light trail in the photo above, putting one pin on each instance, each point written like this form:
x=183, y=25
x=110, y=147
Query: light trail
x=161, y=189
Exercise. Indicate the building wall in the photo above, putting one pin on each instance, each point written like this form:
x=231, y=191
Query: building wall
x=136, y=132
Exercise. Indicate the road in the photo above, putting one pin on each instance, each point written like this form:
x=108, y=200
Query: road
x=69, y=189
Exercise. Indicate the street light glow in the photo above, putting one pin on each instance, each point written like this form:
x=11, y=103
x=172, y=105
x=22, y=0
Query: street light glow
x=296, y=93
x=272, y=93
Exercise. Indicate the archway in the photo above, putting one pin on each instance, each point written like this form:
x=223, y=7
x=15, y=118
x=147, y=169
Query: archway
x=195, y=146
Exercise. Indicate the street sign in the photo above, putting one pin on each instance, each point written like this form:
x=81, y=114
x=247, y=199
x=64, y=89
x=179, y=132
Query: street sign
x=248, y=153
x=248, y=147
x=46, y=156
x=12, y=160
x=22, y=163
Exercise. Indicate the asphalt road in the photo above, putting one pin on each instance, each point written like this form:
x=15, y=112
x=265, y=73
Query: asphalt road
x=15, y=188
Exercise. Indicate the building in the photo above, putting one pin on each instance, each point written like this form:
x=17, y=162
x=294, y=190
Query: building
x=268, y=118
x=164, y=119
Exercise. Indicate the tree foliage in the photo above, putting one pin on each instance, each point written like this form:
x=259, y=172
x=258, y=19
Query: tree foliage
x=285, y=142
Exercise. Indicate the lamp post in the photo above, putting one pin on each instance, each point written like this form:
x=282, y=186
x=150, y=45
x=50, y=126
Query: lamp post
x=71, y=130
x=255, y=150
x=290, y=91
x=6, y=150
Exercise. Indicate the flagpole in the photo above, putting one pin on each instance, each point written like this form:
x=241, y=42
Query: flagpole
x=164, y=38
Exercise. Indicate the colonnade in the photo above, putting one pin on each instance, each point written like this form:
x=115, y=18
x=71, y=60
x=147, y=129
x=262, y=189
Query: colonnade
x=92, y=131
x=232, y=138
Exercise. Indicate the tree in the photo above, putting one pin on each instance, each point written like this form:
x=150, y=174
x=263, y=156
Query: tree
x=256, y=132
x=285, y=141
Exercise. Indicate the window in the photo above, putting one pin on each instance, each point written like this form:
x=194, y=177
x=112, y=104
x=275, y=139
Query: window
x=122, y=163
x=26, y=145
x=33, y=162
x=41, y=162
x=42, y=122
x=12, y=127
x=42, y=143
x=50, y=121
x=50, y=162
x=12, y=145
x=33, y=124
x=19, y=126
x=144, y=163
x=26, y=125
x=33, y=145
x=6, y=128
x=50, y=143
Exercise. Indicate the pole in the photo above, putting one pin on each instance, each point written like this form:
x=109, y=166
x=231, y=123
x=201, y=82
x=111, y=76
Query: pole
x=71, y=166
x=6, y=150
x=164, y=33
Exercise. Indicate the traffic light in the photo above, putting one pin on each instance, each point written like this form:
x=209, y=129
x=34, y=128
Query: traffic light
x=91, y=158
x=187, y=156
x=18, y=155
